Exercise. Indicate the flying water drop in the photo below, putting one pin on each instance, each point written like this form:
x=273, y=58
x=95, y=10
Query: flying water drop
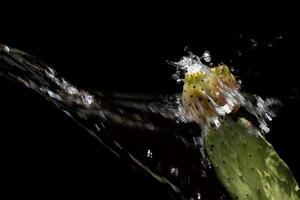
x=206, y=56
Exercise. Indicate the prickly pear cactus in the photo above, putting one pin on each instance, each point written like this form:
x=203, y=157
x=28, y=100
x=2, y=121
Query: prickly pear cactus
x=245, y=163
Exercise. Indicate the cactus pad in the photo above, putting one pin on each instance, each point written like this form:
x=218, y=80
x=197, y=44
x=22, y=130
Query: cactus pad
x=247, y=165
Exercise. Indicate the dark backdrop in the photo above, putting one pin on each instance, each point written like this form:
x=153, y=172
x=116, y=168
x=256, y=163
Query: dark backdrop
x=116, y=49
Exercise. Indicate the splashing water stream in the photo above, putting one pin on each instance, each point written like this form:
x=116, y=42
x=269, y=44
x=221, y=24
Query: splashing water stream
x=150, y=122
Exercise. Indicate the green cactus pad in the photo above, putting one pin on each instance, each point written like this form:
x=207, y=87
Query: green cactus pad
x=247, y=165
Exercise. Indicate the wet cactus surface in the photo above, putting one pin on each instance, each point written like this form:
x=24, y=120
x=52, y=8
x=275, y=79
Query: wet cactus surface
x=247, y=165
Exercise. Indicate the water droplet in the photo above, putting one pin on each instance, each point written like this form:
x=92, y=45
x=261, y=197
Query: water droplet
x=102, y=124
x=68, y=87
x=97, y=127
x=87, y=99
x=203, y=174
x=253, y=43
x=279, y=37
x=239, y=53
x=174, y=171
x=198, y=196
x=72, y=90
x=6, y=49
x=206, y=56
x=149, y=153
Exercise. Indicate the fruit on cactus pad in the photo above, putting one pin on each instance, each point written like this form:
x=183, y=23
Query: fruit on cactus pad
x=245, y=163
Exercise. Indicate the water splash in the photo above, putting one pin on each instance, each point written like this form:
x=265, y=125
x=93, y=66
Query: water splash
x=155, y=121
x=222, y=92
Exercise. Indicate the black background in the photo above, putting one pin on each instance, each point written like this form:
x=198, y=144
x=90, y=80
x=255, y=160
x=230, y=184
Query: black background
x=120, y=49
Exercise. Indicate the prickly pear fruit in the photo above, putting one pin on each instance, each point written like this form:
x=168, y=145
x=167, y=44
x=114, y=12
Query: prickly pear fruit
x=204, y=91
